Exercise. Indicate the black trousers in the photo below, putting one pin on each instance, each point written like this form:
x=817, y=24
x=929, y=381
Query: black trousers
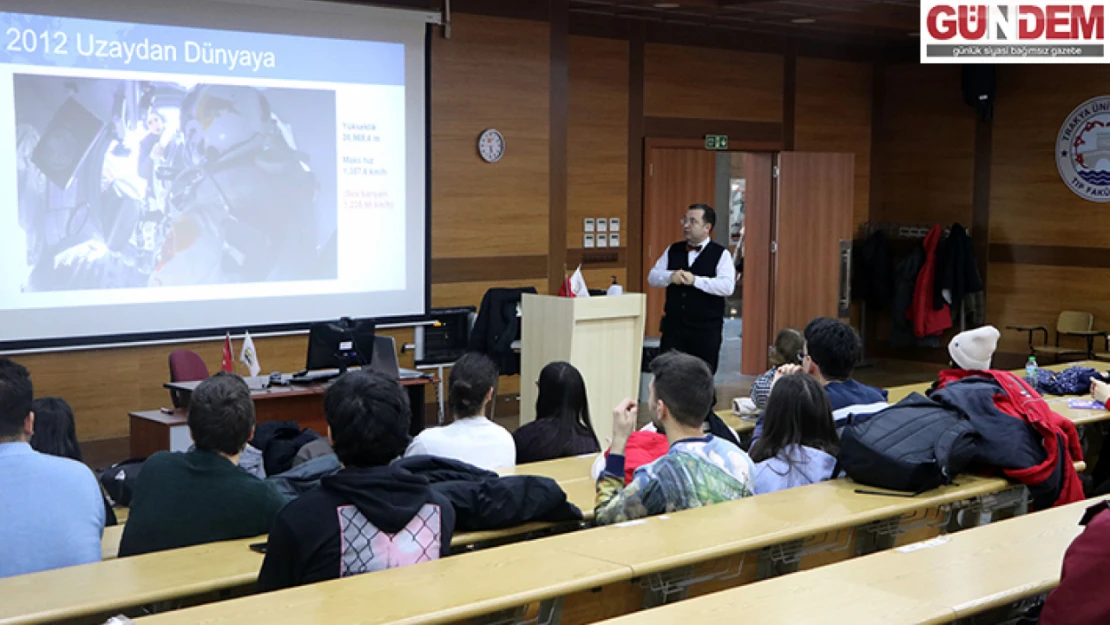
x=703, y=342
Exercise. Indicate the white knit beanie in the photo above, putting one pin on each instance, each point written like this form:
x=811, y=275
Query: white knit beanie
x=973, y=349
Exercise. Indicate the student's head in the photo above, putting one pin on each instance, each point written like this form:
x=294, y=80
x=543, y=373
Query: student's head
x=155, y=123
x=698, y=223
x=470, y=386
x=681, y=389
x=55, y=431
x=973, y=349
x=368, y=418
x=562, y=396
x=798, y=413
x=16, y=393
x=788, y=347
x=832, y=349
x=221, y=414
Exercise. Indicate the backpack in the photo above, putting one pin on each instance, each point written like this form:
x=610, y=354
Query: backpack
x=914, y=445
x=1070, y=381
x=119, y=480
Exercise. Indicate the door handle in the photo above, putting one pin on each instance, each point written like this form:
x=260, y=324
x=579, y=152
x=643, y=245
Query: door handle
x=844, y=293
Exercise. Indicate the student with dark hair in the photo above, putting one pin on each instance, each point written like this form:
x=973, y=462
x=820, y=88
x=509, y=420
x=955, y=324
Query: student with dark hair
x=202, y=496
x=471, y=438
x=51, y=509
x=698, y=275
x=56, y=435
x=699, y=469
x=831, y=351
x=371, y=515
x=787, y=350
x=799, y=442
x=562, y=427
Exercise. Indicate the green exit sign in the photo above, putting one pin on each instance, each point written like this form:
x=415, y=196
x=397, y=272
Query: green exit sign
x=716, y=142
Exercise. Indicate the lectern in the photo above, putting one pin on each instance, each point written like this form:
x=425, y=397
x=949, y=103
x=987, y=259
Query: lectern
x=602, y=336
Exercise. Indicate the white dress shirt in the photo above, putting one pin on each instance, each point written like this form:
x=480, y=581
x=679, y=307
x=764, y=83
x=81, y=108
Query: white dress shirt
x=721, y=285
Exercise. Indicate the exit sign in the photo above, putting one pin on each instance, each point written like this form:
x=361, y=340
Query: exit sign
x=716, y=142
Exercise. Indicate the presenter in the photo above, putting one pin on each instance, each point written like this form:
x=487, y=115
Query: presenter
x=698, y=274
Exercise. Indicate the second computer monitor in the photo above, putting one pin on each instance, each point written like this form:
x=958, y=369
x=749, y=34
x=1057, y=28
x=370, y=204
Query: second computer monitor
x=340, y=344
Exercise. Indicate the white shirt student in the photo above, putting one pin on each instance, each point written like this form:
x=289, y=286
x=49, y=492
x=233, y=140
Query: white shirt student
x=471, y=438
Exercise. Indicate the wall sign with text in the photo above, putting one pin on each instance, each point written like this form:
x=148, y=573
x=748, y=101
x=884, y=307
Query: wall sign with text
x=1083, y=150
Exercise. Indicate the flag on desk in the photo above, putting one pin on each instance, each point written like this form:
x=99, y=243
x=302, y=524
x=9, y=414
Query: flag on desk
x=249, y=357
x=228, y=362
x=578, y=284
x=566, y=290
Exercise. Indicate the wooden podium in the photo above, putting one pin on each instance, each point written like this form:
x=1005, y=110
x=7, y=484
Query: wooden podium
x=602, y=336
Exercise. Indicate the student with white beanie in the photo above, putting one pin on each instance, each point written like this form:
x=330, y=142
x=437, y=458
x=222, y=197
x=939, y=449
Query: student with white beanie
x=972, y=350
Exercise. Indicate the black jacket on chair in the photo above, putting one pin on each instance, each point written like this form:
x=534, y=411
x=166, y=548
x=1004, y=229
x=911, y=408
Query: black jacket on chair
x=485, y=501
x=497, y=326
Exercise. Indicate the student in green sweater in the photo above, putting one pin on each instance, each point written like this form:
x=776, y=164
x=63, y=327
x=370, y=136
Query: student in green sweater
x=202, y=496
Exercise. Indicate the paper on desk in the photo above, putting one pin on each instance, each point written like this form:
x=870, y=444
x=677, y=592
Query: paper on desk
x=925, y=544
x=744, y=406
x=1085, y=404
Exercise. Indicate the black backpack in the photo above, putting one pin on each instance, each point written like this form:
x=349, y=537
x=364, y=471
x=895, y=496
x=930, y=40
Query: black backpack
x=119, y=480
x=914, y=445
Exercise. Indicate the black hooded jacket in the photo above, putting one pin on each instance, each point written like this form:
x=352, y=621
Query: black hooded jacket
x=359, y=520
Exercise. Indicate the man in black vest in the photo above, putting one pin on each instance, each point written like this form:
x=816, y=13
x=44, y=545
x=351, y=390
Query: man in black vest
x=698, y=275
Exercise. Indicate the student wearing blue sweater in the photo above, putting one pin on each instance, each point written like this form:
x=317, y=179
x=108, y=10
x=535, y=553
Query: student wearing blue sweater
x=831, y=351
x=51, y=509
x=799, y=442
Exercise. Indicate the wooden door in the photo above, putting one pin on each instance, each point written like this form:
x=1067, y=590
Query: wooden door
x=674, y=179
x=813, y=217
x=758, y=226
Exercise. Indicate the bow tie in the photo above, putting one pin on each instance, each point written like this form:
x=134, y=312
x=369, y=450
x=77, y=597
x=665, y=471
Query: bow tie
x=694, y=248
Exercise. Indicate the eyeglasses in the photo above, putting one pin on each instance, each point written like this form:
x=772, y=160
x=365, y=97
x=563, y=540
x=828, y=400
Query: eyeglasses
x=802, y=357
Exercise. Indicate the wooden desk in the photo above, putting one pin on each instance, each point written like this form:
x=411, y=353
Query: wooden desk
x=153, y=431
x=742, y=424
x=937, y=581
x=664, y=542
x=444, y=591
x=560, y=470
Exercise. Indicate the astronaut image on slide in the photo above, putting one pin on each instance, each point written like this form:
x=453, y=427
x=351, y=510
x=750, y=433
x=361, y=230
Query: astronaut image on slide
x=134, y=184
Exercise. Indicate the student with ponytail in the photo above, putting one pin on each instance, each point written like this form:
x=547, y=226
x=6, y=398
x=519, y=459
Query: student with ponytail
x=471, y=437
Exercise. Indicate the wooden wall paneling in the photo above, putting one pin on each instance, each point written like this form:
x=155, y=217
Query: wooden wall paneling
x=834, y=108
x=635, y=213
x=927, y=147
x=597, y=163
x=557, y=163
x=1029, y=203
x=470, y=293
x=789, y=100
x=813, y=213
x=491, y=73
x=675, y=179
x=758, y=222
x=1035, y=294
x=705, y=83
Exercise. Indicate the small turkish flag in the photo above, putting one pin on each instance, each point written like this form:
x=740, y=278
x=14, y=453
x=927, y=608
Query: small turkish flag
x=228, y=362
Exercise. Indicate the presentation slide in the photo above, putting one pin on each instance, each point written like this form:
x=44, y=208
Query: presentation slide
x=163, y=177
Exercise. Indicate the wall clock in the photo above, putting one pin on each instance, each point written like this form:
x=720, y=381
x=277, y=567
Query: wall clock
x=491, y=146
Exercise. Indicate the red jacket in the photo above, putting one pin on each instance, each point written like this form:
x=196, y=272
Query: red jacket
x=1022, y=402
x=1083, y=596
x=642, y=448
x=926, y=320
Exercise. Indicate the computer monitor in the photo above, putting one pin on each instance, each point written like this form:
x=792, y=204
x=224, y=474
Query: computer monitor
x=340, y=344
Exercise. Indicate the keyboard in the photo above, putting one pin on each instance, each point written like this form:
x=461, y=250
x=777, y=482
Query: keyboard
x=313, y=377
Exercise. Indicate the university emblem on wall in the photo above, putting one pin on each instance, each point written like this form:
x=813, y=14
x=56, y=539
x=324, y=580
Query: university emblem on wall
x=1083, y=150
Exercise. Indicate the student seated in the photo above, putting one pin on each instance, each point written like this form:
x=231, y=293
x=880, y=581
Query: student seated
x=202, y=496
x=471, y=438
x=56, y=435
x=698, y=470
x=51, y=509
x=369, y=516
x=832, y=349
x=786, y=351
x=562, y=427
x=1083, y=596
x=799, y=442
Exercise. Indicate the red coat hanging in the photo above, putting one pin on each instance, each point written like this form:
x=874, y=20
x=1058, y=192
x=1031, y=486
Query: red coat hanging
x=926, y=320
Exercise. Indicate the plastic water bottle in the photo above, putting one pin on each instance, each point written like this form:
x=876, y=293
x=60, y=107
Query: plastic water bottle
x=1031, y=371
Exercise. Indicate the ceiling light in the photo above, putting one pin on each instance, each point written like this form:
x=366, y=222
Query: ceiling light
x=666, y=5
x=803, y=20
